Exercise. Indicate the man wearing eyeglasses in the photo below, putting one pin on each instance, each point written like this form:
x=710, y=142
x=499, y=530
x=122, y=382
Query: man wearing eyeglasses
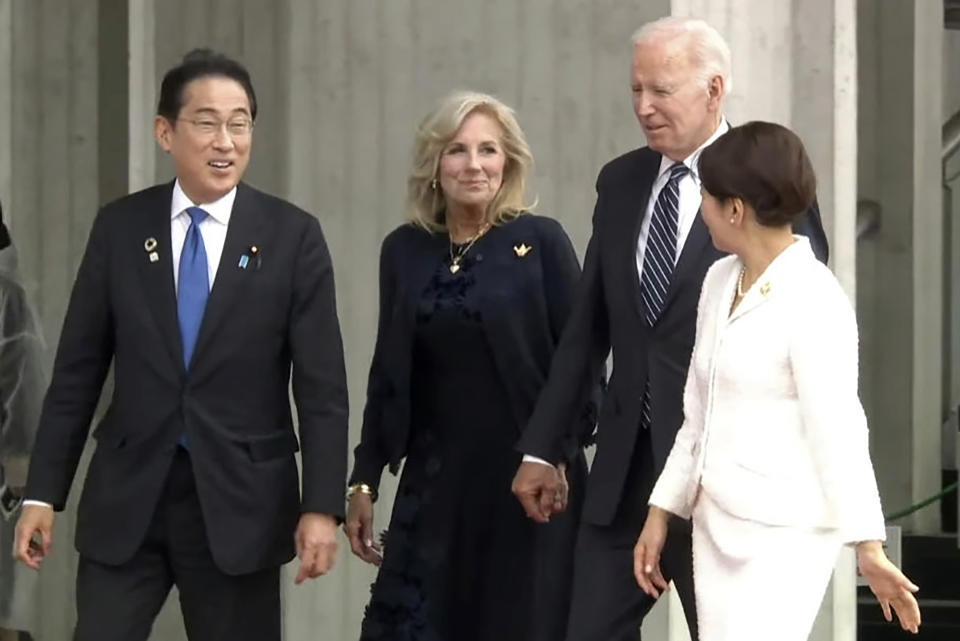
x=205, y=294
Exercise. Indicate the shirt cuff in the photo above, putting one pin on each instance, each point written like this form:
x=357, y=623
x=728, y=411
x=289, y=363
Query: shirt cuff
x=27, y=502
x=527, y=458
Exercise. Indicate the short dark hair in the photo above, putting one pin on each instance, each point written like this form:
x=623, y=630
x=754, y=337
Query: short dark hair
x=765, y=165
x=201, y=63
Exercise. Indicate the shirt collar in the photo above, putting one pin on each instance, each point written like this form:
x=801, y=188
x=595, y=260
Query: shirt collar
x=219, y=209
x=693, y=160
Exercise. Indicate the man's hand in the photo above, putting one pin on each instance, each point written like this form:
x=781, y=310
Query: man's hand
x=541, y=489
x=35, y=521
x=359, y=528
x=316, y=540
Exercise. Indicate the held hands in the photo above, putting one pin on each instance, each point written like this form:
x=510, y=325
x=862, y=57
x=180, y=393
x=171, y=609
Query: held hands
x=359, y=528
x=646, y=553
x=891, y=587
x=316, y=541
x=36, y=522
x=542, y=489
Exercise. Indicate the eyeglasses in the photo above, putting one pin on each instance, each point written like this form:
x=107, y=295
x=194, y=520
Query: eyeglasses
x=237, y=127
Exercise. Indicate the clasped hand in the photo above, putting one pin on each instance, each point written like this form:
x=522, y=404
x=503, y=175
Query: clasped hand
x=542, y=489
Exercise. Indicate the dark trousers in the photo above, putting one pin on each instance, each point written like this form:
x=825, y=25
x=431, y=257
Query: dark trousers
x=608, y=605
x=119, y=603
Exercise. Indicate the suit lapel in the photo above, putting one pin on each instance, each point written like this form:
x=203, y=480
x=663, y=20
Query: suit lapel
x=243, y=232
x=697, y=240
x=157, y=275
x=639, y=195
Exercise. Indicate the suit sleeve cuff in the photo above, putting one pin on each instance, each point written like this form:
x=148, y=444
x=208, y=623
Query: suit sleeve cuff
x=27, y=502
x=671, y=499
x=529, y=458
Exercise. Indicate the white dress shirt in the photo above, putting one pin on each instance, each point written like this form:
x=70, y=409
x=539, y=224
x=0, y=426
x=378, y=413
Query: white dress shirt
x=773, y=429
x=689, y=189
x=213, y=229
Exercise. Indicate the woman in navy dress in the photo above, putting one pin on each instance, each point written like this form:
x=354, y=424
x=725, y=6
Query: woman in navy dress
x=474, y=293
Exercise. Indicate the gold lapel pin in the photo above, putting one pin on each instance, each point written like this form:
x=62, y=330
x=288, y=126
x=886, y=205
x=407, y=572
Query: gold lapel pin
x=150, y=246
x=521, y=250
x=765, y=289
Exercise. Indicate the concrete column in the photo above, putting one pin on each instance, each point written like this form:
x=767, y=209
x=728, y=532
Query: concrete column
x=900, y=267
x=142, y=85
x=794, y=63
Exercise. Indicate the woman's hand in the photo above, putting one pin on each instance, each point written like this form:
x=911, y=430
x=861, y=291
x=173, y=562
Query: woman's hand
x=646, y=553
x=359, y=529
x=891, y=587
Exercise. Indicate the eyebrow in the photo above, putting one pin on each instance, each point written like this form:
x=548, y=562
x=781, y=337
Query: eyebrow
x=213, y=112
x=489, y=141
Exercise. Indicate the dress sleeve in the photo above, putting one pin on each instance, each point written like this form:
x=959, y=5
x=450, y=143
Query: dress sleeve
x=824, y=360
x=672, y=490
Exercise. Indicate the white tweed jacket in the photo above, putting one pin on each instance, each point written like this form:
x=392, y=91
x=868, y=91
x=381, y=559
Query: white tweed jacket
x=773, y=428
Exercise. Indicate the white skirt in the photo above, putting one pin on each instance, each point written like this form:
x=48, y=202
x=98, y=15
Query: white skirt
x=757, y=582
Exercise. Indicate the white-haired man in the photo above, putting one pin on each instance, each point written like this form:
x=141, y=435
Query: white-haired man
x=644, y=266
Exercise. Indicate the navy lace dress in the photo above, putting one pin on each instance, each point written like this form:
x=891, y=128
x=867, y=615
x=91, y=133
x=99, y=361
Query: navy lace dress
x=462, y=562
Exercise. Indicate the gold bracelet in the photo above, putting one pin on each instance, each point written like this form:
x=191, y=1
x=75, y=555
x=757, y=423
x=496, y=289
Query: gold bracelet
x=363, y=488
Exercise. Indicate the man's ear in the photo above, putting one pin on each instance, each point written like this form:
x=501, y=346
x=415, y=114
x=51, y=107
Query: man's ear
x=163, y=132
x=715, y=91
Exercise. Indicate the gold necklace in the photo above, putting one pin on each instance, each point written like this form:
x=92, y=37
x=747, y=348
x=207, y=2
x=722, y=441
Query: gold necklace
x=455, y=258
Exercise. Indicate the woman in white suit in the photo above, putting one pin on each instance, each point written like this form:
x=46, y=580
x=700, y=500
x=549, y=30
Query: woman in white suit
x=772, y=461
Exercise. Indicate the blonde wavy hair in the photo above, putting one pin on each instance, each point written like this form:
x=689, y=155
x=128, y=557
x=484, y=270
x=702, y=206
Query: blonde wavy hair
x=425, y=204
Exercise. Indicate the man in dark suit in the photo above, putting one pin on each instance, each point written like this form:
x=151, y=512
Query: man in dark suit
x=204, y=293
x=644, y=266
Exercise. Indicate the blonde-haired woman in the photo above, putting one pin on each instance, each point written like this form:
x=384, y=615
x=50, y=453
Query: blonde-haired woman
x=474, y=293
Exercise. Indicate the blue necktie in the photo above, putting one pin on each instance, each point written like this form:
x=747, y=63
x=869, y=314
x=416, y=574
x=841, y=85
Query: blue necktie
x=194, y=285
x=658, y=261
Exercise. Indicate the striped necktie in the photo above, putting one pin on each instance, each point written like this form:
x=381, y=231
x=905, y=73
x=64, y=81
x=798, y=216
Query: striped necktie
x=658, y=261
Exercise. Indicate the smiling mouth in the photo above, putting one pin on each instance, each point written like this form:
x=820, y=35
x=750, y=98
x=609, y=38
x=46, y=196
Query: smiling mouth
x=220, y=164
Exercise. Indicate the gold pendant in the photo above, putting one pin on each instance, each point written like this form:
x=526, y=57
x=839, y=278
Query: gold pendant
x=454, y=268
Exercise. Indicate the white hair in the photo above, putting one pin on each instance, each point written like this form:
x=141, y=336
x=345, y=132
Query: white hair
x=708, y=50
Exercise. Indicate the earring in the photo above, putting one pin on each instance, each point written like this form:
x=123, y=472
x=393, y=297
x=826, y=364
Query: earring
x=433, y=184
x=733, y=221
